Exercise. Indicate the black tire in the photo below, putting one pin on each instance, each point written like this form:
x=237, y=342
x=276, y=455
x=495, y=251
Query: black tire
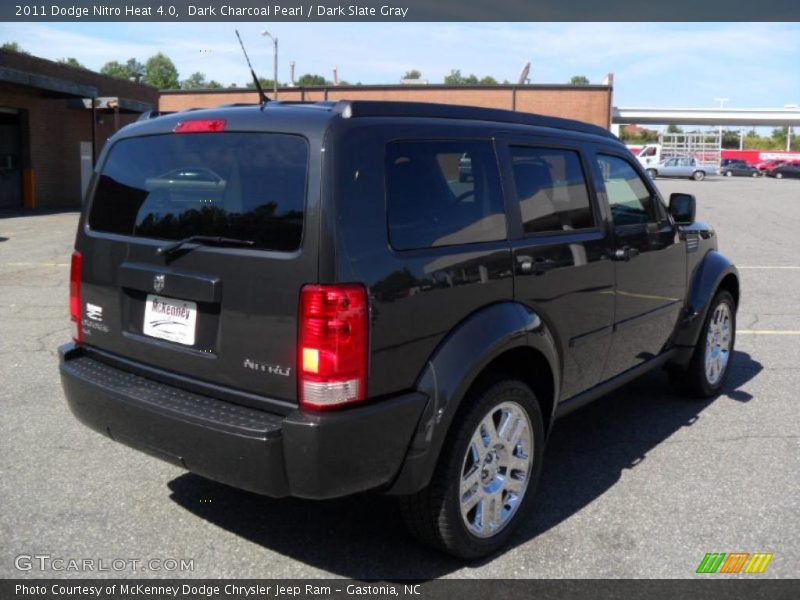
x=755, y=174
x=692, y=381
x=652, y=173
x=728, y=174
x=433, y=515
x=698, y=175
x=778, y=175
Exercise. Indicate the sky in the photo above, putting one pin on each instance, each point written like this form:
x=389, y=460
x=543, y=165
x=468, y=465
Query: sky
x=754, y=65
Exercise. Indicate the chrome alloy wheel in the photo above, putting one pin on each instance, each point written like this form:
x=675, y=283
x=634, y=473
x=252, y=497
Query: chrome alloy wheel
x=496, y=469
x=718, y=343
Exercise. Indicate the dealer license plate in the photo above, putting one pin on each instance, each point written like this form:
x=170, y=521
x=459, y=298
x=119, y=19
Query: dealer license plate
x=170, y=319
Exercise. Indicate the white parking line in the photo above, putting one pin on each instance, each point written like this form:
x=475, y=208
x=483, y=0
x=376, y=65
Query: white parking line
x=35, y=264
x=767, y=332
x=771, y=268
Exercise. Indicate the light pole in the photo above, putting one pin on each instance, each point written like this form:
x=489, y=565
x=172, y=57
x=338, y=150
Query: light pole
x=266, y=33
x=722, y=103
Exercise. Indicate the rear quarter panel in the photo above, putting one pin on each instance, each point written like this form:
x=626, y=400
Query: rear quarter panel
x=417, y=296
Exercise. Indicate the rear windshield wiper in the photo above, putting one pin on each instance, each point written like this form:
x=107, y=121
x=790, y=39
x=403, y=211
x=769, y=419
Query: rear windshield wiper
x=210, y=240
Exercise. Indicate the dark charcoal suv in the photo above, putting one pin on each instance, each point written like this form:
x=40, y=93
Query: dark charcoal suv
x=317, y=300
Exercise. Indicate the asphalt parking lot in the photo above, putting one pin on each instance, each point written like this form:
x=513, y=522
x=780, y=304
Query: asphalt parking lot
x=639, y=484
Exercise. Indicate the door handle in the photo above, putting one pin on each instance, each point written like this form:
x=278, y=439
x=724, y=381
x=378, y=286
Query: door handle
x=525, y=264
x=537, y=266
x=624, y=254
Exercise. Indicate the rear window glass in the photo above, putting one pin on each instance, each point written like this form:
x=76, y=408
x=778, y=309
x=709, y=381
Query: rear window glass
x=249, y=186
x=443, y=193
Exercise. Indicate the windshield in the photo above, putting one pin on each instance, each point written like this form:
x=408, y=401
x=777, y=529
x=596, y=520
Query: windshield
x=247, y=186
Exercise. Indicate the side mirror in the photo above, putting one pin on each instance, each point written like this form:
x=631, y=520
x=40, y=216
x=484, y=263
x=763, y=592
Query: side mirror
x=682, y=207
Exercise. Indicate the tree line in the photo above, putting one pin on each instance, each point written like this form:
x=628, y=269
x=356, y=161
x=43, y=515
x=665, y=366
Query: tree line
x=455, y=77
x=776, y=140
x=160, y=72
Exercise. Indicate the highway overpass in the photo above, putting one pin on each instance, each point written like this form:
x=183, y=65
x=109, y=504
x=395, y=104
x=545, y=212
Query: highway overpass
x=721, y=117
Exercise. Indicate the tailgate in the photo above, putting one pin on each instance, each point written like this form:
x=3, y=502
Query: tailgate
x=222, y=313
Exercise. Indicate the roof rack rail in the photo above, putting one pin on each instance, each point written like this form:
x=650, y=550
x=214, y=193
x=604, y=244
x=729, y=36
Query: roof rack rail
x=319, y=104
x=235, y=104
x=376, y=108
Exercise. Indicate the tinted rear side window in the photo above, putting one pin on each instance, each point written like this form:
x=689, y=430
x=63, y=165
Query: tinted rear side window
x=442, y=193
x=241, y=185
x=551, y=189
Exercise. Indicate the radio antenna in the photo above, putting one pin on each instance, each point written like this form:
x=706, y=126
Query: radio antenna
x=261, y=94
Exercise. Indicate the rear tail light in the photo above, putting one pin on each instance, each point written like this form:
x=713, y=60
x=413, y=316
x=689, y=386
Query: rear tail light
x=332, y=348
x=75, y=296
x=200, y=126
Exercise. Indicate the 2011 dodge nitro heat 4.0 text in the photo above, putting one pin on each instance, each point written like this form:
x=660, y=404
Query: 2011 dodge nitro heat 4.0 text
x=316, y=300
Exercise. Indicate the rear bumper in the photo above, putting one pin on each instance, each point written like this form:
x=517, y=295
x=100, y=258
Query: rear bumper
x=308, y=455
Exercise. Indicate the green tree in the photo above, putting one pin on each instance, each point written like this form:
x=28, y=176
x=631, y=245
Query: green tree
x=14, y=47
x=312, y=79
x=456, y=78
x=674, y=129
x=638, y=136
x=730, y=139
x=266, y=84
x=779, y=134
x=72, y=62
x=114, y=68
x=413, y=74
x=160, y=72
x=132, y=69
x=195, y=81
x=579, y=80
x=488, y=80
x=775, y=141
x=135, y=69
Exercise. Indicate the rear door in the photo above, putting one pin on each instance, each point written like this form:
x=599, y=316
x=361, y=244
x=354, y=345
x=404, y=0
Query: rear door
x=218, y=314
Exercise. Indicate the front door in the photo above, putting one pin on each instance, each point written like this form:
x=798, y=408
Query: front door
x=650, y=264
x=560, y=253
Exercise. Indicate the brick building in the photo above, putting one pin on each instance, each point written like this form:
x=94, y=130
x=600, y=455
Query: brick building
x=52, y=118
x=590, y=103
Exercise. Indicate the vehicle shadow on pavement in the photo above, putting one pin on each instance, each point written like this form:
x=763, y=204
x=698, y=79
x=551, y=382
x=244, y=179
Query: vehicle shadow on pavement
x=363, y=537
x=589, y=450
